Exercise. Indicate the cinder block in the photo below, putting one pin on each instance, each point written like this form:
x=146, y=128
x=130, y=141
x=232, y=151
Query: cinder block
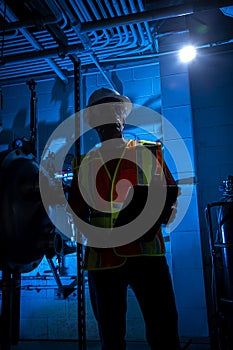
x=175, y=90
x=182, y=244
x=179, y=122
x=124, y=75
x=179, y=155
x=131, y=89
x=171, y=64
x=184, y=220
x=148, y=71
x=90, y=82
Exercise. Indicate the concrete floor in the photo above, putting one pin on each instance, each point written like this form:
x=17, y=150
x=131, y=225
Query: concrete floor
x=69, y=345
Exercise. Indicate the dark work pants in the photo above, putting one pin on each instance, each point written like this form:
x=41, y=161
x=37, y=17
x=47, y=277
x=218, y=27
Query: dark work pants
x=150, y=280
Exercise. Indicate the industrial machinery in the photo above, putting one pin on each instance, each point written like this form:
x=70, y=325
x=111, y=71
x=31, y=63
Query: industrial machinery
x=27, y=234
x=219, y=217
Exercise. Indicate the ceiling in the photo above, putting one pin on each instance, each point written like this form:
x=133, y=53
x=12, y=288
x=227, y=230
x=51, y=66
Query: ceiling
x=42, y=38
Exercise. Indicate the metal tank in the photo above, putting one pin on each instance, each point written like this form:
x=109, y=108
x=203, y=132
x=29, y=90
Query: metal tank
x=26, y=232
x=220, y=224
x=225, y=245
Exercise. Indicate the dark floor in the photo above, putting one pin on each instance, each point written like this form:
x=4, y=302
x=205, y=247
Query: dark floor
x=61, y=345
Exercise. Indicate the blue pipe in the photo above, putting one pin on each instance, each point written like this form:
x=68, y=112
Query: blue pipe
x=138, y=24
x=99, y=17
x=36, y=45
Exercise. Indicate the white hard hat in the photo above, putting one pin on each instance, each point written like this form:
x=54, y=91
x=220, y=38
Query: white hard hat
x=104, y=94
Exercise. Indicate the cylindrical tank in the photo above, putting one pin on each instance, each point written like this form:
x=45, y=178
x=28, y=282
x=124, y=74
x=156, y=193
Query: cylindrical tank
x=223, y=257
x=225, y=218
x=225, y=240
x=26, y=232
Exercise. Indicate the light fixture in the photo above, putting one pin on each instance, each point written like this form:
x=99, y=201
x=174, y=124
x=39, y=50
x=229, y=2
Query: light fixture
x=187, y=53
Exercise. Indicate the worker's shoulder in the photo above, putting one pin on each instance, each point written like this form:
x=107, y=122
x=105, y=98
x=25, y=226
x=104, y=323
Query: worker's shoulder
x=147, y=143
x=152, y=143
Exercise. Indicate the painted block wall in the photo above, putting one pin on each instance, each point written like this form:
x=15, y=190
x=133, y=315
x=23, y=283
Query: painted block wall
x=186, y=250
x=43, y=317
x=212, y=91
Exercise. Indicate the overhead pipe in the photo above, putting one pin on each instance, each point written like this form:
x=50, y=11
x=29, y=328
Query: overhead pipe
x=151, y=41
x=101, y=47
x=97, y=15
x=45, y=54
x=211, y=46
x=35, y=44
x=144, y=57
x=40, y=22
x=126, y=11
x=128, y=46
x=128, y=52
x=57, y=70
x=85, y=16
x=75, y=23
x=48, y=53
x=78, y=48
x=139, y=26
x=81, y=14
x=153, y=15
x=111, y=12
x=133, y=46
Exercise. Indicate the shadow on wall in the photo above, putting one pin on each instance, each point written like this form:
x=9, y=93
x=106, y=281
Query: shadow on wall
x=21, y=126
x=63, y=93
x=19, y=129
x=152, y=101
x=60, y=107
x=117, y=82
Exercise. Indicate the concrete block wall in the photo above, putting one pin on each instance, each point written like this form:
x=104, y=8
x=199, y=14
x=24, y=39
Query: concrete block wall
x=43, y=317
x=186, y=250
x=212, y=89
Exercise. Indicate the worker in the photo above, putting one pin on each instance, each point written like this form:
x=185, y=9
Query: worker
x=100, y=185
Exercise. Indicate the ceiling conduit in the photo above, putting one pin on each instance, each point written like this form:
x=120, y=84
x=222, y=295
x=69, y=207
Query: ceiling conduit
x=95, y=34
x=75, y=23
x=113, y=48
x=35, y=44
x=40, y=22
x=135, y=45
x=123, y=37
x=153, y=15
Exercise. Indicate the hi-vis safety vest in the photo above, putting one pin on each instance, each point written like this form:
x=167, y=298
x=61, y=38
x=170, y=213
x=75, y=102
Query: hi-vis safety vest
x=136, y=165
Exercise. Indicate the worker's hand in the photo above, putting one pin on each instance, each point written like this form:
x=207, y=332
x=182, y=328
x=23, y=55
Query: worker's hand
x=174, y=209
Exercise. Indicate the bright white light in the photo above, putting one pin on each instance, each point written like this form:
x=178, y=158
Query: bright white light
x=187, y=54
